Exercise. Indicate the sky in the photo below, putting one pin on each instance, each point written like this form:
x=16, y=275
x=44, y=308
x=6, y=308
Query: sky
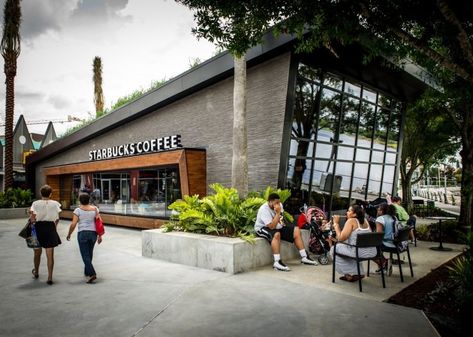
x=139, y=41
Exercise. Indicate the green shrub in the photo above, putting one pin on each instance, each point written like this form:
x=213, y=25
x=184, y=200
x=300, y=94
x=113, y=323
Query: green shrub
x=16, y=197
x=222, y=213
x=423, y=232
x=461, y=273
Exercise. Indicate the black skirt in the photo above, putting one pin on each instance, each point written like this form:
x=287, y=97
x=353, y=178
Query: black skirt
x=47, y=234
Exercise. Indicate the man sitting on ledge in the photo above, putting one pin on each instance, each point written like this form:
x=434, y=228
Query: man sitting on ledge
x=269, y=225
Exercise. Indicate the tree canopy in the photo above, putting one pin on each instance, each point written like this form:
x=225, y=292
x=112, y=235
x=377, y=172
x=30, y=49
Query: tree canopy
x=435, y=34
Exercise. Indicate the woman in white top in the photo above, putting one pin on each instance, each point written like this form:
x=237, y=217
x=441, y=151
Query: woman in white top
x=355, y=224
x=45, y=214
x=84, y=216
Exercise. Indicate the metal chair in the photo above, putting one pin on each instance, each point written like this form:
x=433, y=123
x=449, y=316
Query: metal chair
x=363, y=240
x=411, y=223
x=403, y=235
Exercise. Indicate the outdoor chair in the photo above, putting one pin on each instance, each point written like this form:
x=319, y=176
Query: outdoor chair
x=411, y=223
x=403, y=235
x=363, y=240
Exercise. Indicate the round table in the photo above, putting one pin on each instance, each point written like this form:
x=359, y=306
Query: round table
x=440, y=247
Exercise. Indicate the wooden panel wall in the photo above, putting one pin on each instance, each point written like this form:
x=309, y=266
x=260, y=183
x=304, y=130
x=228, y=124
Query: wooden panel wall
x=53, y=181
x=197, y=172
x=136, y=162
x=66, y=190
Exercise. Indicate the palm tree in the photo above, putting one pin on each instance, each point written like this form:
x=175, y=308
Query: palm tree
x=10, y=48
x=98, y=92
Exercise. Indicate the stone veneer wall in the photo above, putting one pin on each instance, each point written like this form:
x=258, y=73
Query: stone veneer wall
x=204, y=120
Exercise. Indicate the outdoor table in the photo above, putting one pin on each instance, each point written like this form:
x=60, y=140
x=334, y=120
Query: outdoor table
x=440, y=219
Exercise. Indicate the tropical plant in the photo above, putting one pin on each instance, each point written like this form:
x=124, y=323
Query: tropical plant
x=98, y=92
x=15, y=197
x=461, y=273
x=10, y=49
x=222, y=213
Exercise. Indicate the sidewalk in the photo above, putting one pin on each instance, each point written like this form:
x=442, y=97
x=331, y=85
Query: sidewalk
x=137, y=296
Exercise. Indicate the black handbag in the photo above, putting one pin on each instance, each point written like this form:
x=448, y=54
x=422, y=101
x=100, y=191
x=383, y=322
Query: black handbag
x=26, y=231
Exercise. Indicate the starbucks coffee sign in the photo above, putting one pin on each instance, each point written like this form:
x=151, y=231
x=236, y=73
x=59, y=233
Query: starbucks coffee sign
x=131, y=149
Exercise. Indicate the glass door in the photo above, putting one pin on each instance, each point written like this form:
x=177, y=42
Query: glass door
x=106, y=191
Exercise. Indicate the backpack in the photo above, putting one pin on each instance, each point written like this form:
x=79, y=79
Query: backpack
x=397, y=226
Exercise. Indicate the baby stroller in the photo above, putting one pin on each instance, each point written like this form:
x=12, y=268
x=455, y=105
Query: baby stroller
x=315, y=220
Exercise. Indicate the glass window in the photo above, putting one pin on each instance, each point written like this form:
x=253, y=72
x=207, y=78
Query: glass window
x=367, y=122
x=299, y=173
x=352, y=89
x=359, y=178
x=352, y=131
x=369, y=95
x=333, y=81
x=388, y=179
x=345, y=152
x=381, y=130
x=393, y=131
x=390, y=158
x=301, y=148
x=150, y=194
x=343, y=173
x=324, y=150
x=321, y=169
x=363, y=155
x=350, y=120
x=377, y=157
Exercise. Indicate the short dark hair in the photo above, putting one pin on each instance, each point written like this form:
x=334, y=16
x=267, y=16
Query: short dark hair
x=46, y=191
x=84, y=198
x=396, y=199
x=273, y=196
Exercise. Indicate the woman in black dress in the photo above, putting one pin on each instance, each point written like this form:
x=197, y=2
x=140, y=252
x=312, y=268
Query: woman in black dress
x=45, y=214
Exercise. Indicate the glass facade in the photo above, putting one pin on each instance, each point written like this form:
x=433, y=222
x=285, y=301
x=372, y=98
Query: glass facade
x=145, y=192
x=344, y=141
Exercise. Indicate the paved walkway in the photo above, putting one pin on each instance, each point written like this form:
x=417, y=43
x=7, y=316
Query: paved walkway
x=137, y=296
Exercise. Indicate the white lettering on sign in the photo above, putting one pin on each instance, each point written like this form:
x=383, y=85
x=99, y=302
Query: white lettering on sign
x=130, y=149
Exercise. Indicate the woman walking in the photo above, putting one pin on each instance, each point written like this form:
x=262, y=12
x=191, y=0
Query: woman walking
x=84, y=216
x=45, y=214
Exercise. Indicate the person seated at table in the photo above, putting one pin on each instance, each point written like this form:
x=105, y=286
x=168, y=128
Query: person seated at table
x=402, y=214
x=270, y=226
x=384, y=224
x=355, y=224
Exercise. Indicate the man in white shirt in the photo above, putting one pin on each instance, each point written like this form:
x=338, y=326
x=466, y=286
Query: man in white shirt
x=269, y=225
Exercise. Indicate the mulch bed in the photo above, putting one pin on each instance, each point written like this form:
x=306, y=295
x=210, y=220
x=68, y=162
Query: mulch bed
x=434, y=294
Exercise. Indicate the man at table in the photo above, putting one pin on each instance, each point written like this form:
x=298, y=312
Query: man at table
x=402, y=214
x=269, y=225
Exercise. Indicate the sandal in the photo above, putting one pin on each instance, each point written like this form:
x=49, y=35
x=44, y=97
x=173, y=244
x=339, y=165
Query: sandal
x=355, y=278
x=35, y=275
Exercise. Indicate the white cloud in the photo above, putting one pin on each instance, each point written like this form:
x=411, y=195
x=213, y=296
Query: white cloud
x=139, y=41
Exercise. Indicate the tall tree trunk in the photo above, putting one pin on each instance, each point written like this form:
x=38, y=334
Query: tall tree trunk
x=406, y=184
x=466, y=212
x=10, y=72
x=240, y=141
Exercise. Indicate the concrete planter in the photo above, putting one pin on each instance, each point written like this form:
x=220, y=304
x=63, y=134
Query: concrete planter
x=14, y=213
x=230, y=255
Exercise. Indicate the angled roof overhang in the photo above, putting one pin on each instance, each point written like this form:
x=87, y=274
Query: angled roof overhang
x=399, y=83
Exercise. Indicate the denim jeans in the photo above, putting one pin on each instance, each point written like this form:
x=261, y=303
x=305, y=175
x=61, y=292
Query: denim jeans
x=86, y=245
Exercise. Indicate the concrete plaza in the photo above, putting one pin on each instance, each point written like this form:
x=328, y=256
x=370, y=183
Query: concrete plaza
x=138, y=296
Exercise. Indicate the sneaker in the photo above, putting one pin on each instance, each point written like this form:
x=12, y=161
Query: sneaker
x=279, y=265
x=308, y=260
